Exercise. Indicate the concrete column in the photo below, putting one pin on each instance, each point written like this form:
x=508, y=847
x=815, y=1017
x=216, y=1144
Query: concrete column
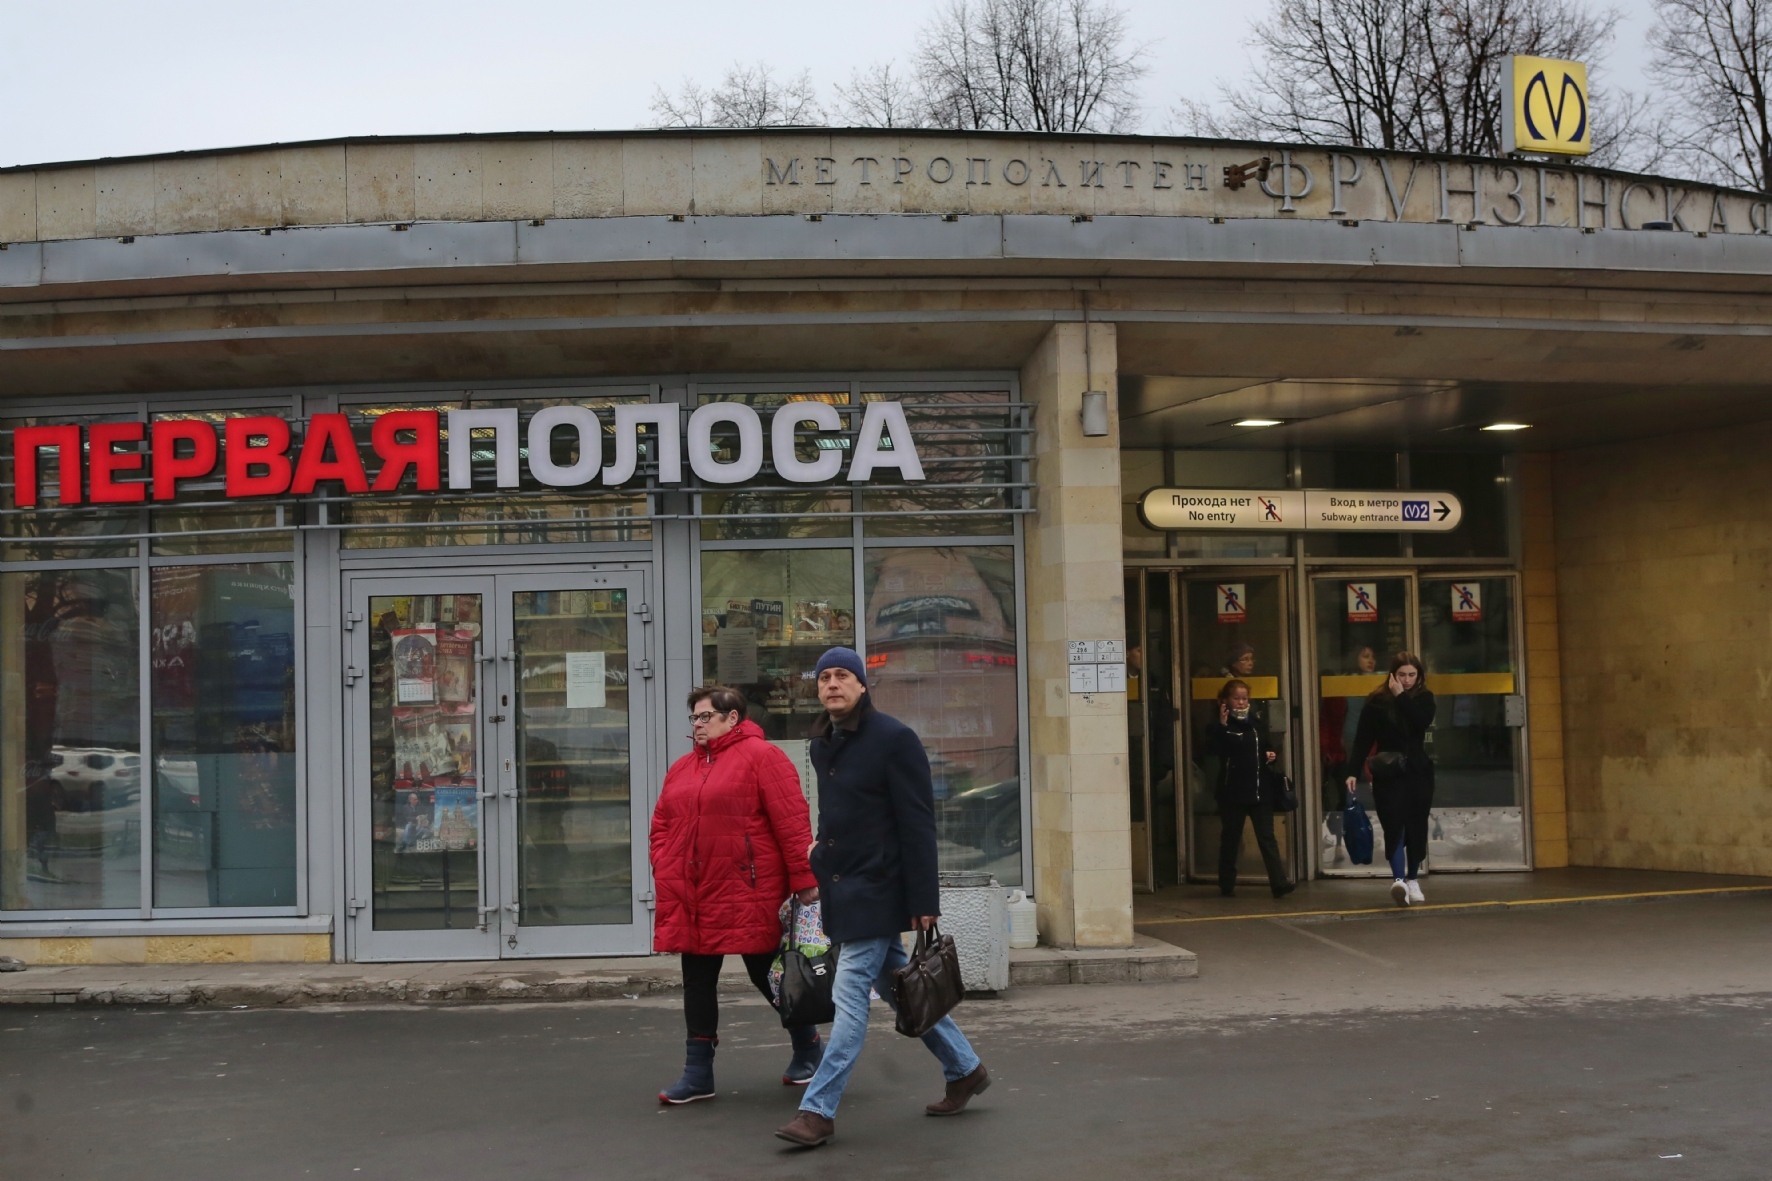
x=1081, y=801
x=1544, y=662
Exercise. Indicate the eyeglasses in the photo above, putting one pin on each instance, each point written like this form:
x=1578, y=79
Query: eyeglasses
x=704, y=717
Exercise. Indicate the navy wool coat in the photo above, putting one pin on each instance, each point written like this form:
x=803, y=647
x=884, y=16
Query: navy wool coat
x=875, y=856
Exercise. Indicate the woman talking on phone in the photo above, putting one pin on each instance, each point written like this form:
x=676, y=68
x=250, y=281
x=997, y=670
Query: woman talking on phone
x=1395, y=721
x=1243, y=753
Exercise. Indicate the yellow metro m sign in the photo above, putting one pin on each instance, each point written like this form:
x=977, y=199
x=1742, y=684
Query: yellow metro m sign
x=1544, y=107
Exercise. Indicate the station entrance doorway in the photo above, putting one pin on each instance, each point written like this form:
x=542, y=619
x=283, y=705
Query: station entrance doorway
x=1313, y=644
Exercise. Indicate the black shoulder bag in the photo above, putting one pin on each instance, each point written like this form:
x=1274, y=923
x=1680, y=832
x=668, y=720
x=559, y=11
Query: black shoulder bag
x=806, y=981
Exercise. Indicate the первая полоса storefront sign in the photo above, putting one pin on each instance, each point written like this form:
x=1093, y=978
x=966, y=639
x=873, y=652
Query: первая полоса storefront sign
x=260, y=455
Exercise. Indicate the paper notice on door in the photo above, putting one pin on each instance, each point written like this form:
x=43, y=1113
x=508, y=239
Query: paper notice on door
x=736, y=656
x=584, y=680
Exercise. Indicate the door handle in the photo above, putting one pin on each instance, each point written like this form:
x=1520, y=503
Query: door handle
x=496, y=718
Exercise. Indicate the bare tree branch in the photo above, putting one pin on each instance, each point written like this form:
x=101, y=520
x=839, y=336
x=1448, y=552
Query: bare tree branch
x=1411, y=75
x=880, y=97
x=749, y=96
x=1715, y=56
x=1029, y=65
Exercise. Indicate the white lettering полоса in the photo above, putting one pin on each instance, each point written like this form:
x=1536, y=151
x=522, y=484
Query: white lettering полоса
x=583, y=420
x=883, y=421
x=701, y=443
x=664, y=418
x=788, y=465
x=462, y=425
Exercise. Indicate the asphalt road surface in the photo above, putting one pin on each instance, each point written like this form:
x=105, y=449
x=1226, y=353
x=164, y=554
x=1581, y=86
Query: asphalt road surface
x=1614, y=1042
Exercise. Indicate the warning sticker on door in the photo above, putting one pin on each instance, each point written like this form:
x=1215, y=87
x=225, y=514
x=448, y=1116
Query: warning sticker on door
x=1467, y=602
x=1362, y=602
x=1232, y=603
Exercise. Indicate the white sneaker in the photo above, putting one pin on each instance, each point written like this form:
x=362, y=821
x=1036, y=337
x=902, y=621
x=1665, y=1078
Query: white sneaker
x=1415, y=894
x=1400, y=892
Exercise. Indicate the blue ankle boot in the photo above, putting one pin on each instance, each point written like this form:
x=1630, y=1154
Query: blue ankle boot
x=808, y=1053
x=698, y=1073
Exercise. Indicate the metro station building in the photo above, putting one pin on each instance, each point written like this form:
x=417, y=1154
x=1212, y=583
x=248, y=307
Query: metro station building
x=371, y=506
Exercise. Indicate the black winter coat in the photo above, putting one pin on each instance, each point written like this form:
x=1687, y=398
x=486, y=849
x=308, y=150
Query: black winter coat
x=875, y=855
x=1396, y=724
x=1241, y=747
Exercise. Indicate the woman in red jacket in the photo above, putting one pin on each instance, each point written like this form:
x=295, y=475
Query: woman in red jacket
x=729, y=841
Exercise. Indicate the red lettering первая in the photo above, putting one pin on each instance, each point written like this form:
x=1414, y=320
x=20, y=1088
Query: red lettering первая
x=272, y=455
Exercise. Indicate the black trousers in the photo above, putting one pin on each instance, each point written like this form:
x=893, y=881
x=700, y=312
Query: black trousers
x=1230, y=840
x=701, y=988
x=1404, y=802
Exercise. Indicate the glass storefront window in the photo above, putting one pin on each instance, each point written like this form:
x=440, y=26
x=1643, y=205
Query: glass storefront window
x=222, y=652
x=964, y=439
x=197, y=527
x=51, y=531
x=70, y=740
x=941, y=653
x=529, y=515
x=756, y=509
x=766, y=617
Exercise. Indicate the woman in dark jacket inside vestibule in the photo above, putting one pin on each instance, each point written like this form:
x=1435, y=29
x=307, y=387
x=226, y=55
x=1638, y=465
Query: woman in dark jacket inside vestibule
x=1393, y=731
x=1243, y=753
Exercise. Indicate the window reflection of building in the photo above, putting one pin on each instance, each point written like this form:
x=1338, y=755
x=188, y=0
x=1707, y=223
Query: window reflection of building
x=941, y=649
x=70, y=771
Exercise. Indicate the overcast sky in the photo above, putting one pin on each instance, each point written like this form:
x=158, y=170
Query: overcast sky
x=88, y=78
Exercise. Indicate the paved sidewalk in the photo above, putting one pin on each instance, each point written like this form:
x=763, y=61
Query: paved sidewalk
x=459, y=983
x=1171, y=911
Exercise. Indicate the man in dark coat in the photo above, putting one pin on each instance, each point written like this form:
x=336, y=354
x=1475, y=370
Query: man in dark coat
x=875, y=862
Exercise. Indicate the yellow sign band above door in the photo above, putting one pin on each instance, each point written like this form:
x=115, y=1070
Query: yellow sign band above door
x=1545, y=107
x=1360, y=684
x=1260, y=688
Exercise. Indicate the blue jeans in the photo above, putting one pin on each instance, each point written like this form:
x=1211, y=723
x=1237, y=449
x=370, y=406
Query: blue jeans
x=864, y=964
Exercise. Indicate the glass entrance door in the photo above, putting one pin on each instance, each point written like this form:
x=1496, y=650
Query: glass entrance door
x=1234, y=626
x=1359, y=621
x=1469, y=644
x=496, y=749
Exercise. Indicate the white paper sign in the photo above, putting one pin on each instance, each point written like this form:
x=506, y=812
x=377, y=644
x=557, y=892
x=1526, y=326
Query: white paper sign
x=1110, y=678
x=1081, y=651
x=1083, y=678
x=585, y=680
x=736, y=656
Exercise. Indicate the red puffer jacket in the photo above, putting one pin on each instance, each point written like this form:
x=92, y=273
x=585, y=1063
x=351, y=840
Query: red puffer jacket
x=729, y=840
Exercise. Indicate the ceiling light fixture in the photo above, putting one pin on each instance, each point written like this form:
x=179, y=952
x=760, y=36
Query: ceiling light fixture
x=1508, y=426
x=1259, y=422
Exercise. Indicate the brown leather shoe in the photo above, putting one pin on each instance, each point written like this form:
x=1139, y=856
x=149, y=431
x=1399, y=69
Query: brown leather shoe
x=960, y=1093
x=807, y=1129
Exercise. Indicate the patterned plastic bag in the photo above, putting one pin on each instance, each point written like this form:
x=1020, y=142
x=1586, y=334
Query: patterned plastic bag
x=808, y=934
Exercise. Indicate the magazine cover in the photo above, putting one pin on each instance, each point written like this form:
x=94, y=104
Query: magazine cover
x=415, y=665
x=738, y=613
x=455, y=665
x=412, y=819
x=766, y=618
x=456, y=821
x=421, y=745
x=458, y=735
